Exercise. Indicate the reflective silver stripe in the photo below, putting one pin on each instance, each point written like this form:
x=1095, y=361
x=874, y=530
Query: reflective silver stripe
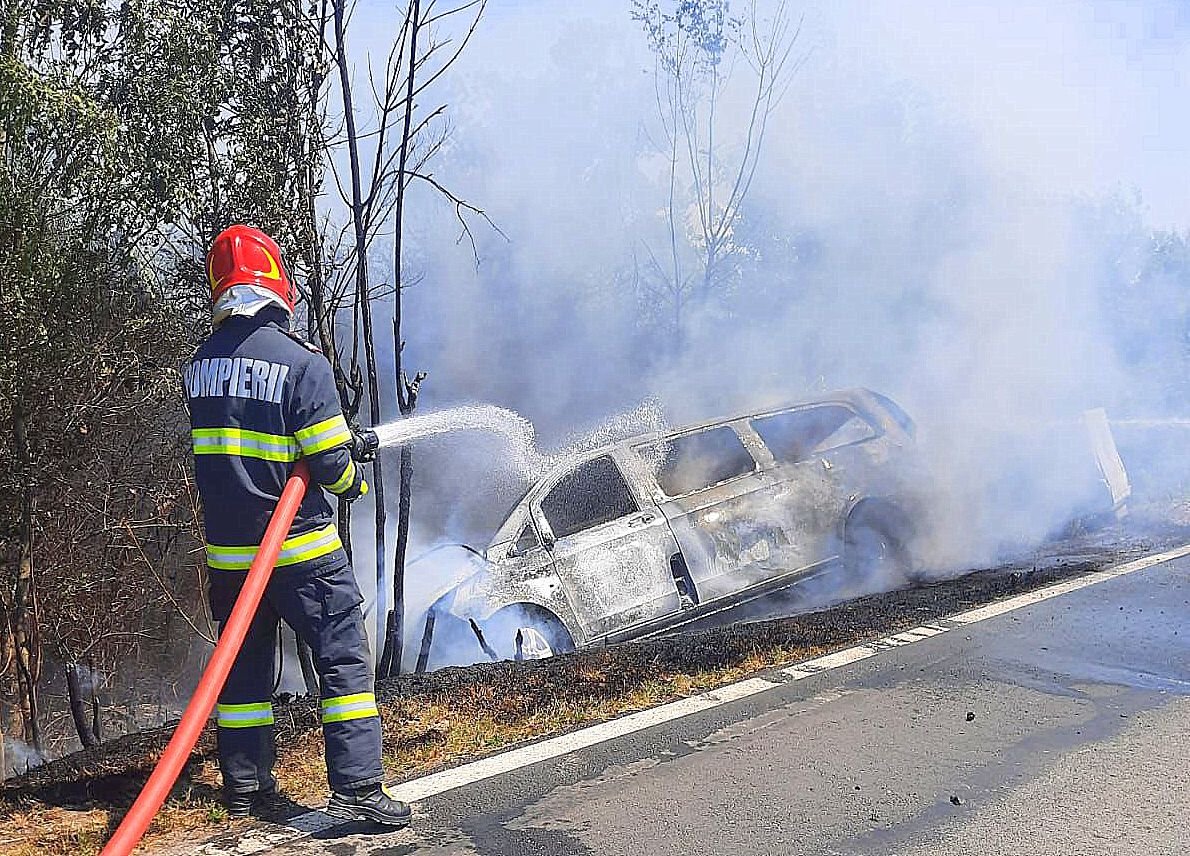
x=244, y=715
x=242, y=443
x=232, y=561
x=324, y=435
x=298, y=548
x=302, y=550
x=344, y=481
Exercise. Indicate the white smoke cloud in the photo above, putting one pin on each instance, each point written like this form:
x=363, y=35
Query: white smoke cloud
x=919, y=224
x=19, y=757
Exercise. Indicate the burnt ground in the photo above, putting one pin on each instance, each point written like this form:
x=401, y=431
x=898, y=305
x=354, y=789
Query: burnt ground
x=110, y=775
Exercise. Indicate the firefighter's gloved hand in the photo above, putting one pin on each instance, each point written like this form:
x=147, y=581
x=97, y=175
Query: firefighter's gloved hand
x=364, y=444
x=355, y=492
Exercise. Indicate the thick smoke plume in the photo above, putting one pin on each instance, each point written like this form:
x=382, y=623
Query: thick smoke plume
x=951, y=204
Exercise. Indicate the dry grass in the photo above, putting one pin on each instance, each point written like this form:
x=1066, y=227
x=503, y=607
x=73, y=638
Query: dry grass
x=426, y=734
x=36, y=829
x=421, y=734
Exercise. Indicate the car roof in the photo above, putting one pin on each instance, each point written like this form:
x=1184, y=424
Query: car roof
x=858, y=397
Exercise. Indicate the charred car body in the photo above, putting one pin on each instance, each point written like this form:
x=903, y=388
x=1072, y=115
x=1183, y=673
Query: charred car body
x=654, y=531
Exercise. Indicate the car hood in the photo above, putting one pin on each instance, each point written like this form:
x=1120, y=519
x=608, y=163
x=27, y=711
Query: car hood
x=446, y=568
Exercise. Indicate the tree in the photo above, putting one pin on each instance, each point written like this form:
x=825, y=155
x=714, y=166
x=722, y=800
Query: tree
x=131, y=133
x=401, y=141
x=90, y=333
x=696, y=46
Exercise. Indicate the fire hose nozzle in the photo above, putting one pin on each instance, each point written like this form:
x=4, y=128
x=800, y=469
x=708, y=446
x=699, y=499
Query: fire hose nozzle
x=364, y=444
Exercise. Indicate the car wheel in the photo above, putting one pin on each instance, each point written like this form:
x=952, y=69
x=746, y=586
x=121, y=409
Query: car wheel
x=541, y=633
x=875, y=556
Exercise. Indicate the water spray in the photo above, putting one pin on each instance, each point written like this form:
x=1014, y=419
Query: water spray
x=474, y=417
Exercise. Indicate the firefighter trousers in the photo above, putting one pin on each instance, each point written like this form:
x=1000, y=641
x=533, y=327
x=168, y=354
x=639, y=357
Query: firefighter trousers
x=321, y=601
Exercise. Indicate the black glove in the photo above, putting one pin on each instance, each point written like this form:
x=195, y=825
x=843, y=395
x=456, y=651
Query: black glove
x=364, y=444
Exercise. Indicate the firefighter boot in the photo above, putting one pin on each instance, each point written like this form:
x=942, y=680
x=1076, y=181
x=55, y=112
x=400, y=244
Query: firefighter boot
x=372, y=803
x=265, y=804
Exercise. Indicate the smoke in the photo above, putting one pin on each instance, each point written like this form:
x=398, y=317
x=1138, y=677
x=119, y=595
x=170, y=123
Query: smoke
x=952, y=206
x=19, y=757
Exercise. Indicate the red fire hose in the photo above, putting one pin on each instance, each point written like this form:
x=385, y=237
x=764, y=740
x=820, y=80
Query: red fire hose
x=157, y=788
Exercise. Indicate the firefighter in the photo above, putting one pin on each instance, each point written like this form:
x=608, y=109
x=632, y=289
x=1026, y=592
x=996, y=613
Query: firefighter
x=260, y=398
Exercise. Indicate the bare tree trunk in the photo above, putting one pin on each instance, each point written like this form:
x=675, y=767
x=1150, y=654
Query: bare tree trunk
x=78, y=709
x=306, y=661
x=24, y=639
x=397, y=619
x=677, y=307
x=393, y=655
x=96, y=726
x=9, y=686
x=10, y=721
x=364, y=302
x=392, y=658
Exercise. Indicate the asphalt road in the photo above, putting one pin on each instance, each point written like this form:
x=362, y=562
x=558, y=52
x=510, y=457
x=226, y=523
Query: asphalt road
x=1060, y=728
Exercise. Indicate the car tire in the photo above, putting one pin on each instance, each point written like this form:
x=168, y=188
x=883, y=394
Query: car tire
x=875, y=554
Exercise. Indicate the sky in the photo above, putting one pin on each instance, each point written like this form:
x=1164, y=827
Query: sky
x=1072, y=97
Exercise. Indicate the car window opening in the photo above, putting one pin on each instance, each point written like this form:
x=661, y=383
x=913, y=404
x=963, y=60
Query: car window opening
x=797, y=435
x=526, y=541
x=696, y=461
x=592, y=494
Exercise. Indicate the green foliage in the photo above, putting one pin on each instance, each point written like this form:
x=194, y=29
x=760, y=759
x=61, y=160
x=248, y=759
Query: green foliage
x=130, y=132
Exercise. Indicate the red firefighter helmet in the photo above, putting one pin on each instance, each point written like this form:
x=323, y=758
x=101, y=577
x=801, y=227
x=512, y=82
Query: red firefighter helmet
x=241, y=255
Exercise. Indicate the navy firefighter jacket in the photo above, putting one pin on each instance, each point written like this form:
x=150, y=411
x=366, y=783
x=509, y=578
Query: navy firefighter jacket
x=259, y=399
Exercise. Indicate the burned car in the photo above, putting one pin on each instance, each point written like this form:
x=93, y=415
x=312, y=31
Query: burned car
x=655, y=531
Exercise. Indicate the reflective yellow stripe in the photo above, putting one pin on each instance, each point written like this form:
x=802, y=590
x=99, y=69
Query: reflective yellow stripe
x=324, y=435
x=244, y=443
x=348, y=699
x=344, y=481
x=244, y=715
x=348, y=707
x=299, y=548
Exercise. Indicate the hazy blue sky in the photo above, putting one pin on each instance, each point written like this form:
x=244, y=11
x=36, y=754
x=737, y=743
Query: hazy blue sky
x=1084, y=96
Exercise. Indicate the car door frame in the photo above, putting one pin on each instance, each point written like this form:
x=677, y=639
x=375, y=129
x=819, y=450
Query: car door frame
x=702, y=519
x=583, y=592
x=835, y=482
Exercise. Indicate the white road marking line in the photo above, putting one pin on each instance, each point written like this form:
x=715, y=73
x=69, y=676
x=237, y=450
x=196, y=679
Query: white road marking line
x=311, y=823
x=925, y=631
x=496, y=765
x=830, y=661
x=1013, y=603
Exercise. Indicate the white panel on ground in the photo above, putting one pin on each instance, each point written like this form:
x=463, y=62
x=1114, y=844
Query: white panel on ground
x=1107, y=456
